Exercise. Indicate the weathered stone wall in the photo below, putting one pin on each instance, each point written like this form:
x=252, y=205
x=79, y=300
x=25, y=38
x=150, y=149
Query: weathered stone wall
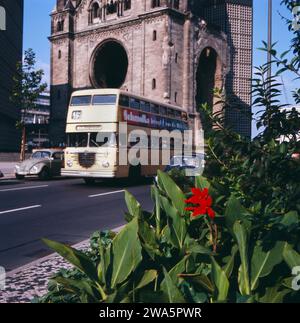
x=171, y=58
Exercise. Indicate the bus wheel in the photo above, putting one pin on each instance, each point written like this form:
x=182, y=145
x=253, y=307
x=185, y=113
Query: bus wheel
x=135, y=174
x=89, y=181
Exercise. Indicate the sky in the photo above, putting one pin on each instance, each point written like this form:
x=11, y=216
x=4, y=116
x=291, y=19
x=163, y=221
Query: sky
x=37, y=31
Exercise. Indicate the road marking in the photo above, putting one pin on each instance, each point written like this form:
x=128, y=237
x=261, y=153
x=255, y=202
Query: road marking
x=23, y=188
x=109, y=193
x=21, y=209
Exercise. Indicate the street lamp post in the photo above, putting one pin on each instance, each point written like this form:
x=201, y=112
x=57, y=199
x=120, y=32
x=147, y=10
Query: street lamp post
x=270, y=21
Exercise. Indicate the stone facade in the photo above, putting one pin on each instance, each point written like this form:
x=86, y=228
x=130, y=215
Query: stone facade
x=162, y=49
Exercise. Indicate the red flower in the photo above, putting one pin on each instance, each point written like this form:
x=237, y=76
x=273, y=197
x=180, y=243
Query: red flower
x=202, y=203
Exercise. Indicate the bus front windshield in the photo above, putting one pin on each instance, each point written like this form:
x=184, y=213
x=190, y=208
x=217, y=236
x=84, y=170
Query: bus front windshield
x=98, y=139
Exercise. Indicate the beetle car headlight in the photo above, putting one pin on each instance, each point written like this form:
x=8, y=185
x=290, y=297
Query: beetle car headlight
x=35, y=170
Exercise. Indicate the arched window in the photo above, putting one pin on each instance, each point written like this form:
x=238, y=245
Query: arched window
x=95, y=10
x=111, y=7
x=154, y=35
x=155, y=3
x=127, y=4
x=153, y=84
x=60, y=25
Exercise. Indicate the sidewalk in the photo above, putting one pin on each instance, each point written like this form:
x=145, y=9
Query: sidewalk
x=31, y=280
x=8, y=169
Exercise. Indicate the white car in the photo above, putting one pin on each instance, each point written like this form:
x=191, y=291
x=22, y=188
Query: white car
x=193, y=165
x=44, y=163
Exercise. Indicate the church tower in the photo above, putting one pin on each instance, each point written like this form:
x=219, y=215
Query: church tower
x=174, y=51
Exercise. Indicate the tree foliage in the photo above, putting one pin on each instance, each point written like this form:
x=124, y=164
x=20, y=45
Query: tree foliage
x=28, y=83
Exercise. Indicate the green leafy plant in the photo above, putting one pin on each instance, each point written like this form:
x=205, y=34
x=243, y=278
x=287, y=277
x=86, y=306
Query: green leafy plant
x=231, y=236
x=169, y=255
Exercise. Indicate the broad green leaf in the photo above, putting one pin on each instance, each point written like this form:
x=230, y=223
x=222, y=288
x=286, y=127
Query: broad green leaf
x=105, y=256
x=220, y=280
x=178, y=227
x=236, y=212
x=133, y=206
x=274, y=296
x=263, y=262
x=241, y=236
x=288, y=282
x=127, y=253
x=75, y=257
x=173, y=191
x=228, y=268
x=78, y=287
x=155, y=194
x=148, y=277
x=178, y=269
x=199, y=249
x=148, y=239
x=201, y=182
x=290, y=256
x=171, y=290
x=291, y=218
x=200, y=281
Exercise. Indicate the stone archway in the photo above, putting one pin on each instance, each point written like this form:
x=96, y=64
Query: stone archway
x=109, y=65
x=208, y=77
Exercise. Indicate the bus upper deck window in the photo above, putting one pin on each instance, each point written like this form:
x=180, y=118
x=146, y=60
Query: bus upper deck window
x=81, y=100
x=124, y=101
x=135, y=103
x=177, y=114
x=163, y=111
x=145, y=106
x=171, y=113
x=109, y=99
x=154, y=108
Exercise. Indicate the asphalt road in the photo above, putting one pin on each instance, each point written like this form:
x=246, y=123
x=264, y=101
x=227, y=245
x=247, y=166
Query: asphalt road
x=64, y=210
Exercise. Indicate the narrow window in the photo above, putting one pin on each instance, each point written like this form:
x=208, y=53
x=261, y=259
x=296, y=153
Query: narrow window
x=59, y=54
x=60, y=25
x=153, y=84
x=127, y=4
x=176, y=58
x=155, y=3
x=95, y=11
x=154, y=35
x=175, y=97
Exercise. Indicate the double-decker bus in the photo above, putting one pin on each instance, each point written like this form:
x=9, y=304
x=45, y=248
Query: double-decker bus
x=94, y=122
